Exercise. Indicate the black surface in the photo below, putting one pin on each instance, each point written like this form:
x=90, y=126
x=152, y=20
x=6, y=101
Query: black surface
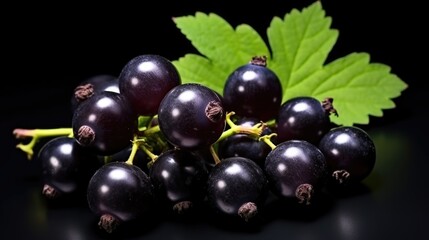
x=51, y=48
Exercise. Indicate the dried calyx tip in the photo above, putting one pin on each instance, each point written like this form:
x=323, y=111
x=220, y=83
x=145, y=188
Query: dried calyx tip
x=328, y=105
x=304, y=193
x=259, y=60
x=108, y=222
x=85, y=135
x=83, y=92
x=182, y=207
x=49, y=192
x=247, y=211
x=214, y=111
x=341, y=176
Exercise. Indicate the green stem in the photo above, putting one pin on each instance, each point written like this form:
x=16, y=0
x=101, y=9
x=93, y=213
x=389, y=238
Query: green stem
x=214, y=154
x=150, y=154
x=271, y=123
x=36, y=135
x=134, y=149
x=254, y=131
x=151, y=130
x=267, y=139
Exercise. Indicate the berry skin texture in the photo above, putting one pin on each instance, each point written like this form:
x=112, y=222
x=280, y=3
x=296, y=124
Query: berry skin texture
x=296, y=169
x=191, y=116
x=66, y=167
x=145, y=80
x=253, y=90
x=104, y=123
x=302, y=118
x=350, y=153
x=179, y=178
x=237, y=187
x=119, y=192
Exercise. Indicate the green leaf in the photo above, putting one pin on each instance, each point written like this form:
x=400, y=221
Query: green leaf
x=300, y=44
x=360, y=88
x=224, y=49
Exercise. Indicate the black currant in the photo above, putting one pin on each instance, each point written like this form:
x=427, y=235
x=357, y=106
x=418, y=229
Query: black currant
x=66, y=167
x=105, y=123
x=191, y=116
x=237, y=187
x=350, y=153
x=145, y=80
x=253, y=90
x=119, y=192
x=296, y=169
x=179, y=179
x=304, y=118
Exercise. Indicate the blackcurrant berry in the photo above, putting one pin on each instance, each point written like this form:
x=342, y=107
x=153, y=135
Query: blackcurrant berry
x=105, y=123
x=66, y=167
x=296, y=169
x=304, y=118
x=237, y=187
x=179, y=179
x=119, y=192
x=191, y=116
x=350, y=153
x=145, y=80
x=253, y=90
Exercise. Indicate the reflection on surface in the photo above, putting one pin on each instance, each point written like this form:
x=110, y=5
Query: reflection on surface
x=42, y=219
x=347, y=226
x=353, y=217
x=36, y=210
x=393, y=151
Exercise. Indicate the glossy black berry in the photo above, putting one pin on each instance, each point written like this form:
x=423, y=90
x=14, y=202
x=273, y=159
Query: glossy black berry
x=66, y=167
x=350, y=153
x=119, y=192
x=304, y=118
x=253, y=90
x=104, y=123
x=296, y=169
x=179, y=179
x=237, y=187
x=191, y=116
x=145, y=80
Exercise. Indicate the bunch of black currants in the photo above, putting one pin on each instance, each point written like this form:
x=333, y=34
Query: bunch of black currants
x=145, y=140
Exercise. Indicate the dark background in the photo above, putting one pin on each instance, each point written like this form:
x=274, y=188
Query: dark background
x=48, y=48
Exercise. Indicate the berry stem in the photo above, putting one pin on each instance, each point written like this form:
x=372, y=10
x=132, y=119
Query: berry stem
x=150, y=154
x=140, y=142
x=271, y=123
x=134, y=149
x=214, y=154
x=267, y=139
x=254, y=131
x=151, y=130
x=36, y=135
